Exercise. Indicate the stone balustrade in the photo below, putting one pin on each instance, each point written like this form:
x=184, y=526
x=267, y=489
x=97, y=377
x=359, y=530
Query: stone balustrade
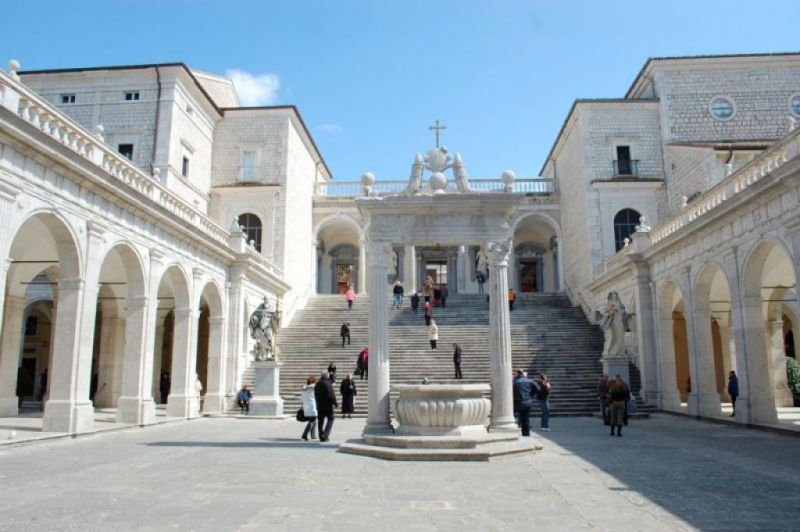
x=352, y=189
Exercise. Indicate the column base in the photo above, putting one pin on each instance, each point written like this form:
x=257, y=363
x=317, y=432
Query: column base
x=706, y=405
x=9, y=406
x=214, y=403
x=135, y=410
x=67, y=416
x=762, y=410
x=504, y=425
x=617, y=365
x=376, y=428
x=266, y=406
x=783, y=397
x=183, y=406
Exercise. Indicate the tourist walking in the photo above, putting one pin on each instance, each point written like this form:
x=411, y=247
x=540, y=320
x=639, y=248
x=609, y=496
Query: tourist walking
x=457, y=360
x=481, y=279
x=345, y=333
x=326, y=402
x=524, y=389
x=433, y=334
x=350, y=297
x=398, y=292
x=414, y=303
x=618, y=399
x=544, y=401
x=362, y=365
x=602, y=395
x=733, y=389
x=332, y=371
x=310, y=408
x=443, y=293
x=348, y=391
x=198, y=392
x=511, y=298
x=164, y=385
x=243, y=399
x=427, y=312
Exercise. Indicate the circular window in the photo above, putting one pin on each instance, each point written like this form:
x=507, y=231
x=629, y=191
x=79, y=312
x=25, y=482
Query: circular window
x=722, y=108
x=794, y=104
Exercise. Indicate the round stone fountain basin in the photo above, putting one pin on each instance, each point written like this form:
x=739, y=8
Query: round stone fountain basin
x=442, y=409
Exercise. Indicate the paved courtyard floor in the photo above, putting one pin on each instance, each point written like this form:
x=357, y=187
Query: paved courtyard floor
x=665, y=473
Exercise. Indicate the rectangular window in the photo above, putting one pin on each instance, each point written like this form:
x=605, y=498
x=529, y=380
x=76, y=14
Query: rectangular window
x=624, y=166
x=248, y=166
x=185, y=167
x=126, y=150
x=67, y=98
x=131, y=96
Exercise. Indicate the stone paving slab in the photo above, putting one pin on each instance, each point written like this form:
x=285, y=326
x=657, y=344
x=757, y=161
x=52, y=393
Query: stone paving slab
x=665, y=473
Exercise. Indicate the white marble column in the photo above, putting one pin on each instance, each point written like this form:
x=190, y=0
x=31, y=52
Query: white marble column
x=756, y=367
x=135, y=404
x=645, y=330
x=109, y=360
x=502, y=418
x=704, y=381
x=182, y=401
x=462, y=269
x=378, y=421
x=668, y=381
x=8, y=195
x=777, y=358
x=214, y=400
x=410, y=267
x=362, y=267
x=14, y=311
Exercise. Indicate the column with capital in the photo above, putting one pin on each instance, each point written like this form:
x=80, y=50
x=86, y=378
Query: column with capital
x=502, y=418
x=14, y=310
x=378, y=415
x=182, y=400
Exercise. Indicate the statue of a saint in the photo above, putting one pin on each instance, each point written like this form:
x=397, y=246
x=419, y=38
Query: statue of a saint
x=613, y=318
x=264, y=324
x=415, y=180
x=482, y=261
x=393, y=271
x=460, y=172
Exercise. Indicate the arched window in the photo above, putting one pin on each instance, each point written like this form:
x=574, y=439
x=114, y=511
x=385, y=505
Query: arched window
x=625, y=223
x=251, y=225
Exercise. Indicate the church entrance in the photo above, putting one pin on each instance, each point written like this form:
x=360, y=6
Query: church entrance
x=344, y=277
x=529, y=276
x=437, y=270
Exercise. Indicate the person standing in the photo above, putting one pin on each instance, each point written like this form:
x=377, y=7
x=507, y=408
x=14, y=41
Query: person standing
x=414, y=303
x=243, y=399
x=433, y=334
x=443, y=293
x=481, y=279
x=544, y=401
x=733, y=389
x=363, y=363
x=427, y=312
x=332, y=371
x=618, y=399
x=348, y=391
x=345, y=333
x=326, y=402
x=457, y=360
x=198, y=392
x=511, y=298
x=398, y=292
x=350, y=297
x=602, y=395
x=524, y=389
x=310, y=408
x=164, y=385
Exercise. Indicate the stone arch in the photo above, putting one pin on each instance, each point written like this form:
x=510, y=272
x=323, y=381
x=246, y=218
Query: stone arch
x=536, y=264
x=340, y=254
x=672, y=341
x=209, y=362
x=253, y=228
x=624, y=223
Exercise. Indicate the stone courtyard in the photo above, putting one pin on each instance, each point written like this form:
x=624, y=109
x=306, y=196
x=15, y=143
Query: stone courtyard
x=665, y=473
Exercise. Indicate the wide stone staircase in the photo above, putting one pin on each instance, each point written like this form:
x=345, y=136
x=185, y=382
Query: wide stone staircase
x=548, y=335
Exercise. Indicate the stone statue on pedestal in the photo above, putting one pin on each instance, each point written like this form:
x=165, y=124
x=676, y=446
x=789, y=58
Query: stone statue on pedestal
x=460, y=172
x=613, y=318
x=264, y=324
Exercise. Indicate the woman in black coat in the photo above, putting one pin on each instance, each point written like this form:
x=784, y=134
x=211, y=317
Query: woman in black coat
x=348, y=391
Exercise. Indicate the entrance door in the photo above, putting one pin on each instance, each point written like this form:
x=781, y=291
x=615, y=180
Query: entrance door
x=529, y=276
x=344, y=277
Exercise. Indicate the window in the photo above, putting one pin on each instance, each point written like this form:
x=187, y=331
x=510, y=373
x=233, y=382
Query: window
x=794, y=105
x=31, y=326
x=126, y=150
x=251, y=225
x=131, y=96
x=722, y=108
x=624, y=160
x=185, y=167
x=625, y=223
x=248, y=166
x=67, y=98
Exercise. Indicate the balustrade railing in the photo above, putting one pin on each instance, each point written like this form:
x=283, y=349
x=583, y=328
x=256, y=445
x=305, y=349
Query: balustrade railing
x=352, y=189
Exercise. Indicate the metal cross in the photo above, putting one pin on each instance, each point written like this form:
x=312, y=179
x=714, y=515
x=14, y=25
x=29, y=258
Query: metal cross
x=437, y=128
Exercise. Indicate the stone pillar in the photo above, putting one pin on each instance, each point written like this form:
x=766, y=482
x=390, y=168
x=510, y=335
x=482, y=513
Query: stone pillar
x=182, y=400
x=502, y=418
x=135, y=404
x=362, y=268
x=214, y=401
x=8, y=195
x=378, y=421
x=704, y=380
x=410, y=282
x=10, y=348
x=668, y=381
x=777, y=359
x=462, y=269
x=645, y=329
x=266, y=396
x=110, y=357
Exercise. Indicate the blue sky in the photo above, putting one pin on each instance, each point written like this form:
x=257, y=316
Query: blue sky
x=369, y=77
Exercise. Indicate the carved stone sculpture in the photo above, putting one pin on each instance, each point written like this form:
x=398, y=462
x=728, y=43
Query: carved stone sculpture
x=460, y=172
x=264, y=324
x=438, y=160
x=415, y=180
x=613, y=318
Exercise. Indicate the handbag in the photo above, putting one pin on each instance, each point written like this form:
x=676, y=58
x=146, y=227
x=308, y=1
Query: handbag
x=300, y=415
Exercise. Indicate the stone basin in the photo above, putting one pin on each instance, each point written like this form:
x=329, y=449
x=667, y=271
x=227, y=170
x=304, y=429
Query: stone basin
x=442, y=409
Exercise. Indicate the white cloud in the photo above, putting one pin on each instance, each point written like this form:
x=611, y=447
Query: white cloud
x=328, y=128
x=254, y=89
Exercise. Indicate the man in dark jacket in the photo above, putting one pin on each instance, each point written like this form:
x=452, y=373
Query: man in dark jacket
x=326, y=402
x=345, y=333
x=415, y=303
x=524, y=390
x=457, y=360
x=733, y=389
x=443, y=293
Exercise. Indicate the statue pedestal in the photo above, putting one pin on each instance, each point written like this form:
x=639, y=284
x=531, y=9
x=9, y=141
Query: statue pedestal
x=266, y=398
x=617, y=365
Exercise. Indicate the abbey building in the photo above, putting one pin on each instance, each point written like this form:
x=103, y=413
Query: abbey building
x=145, y=215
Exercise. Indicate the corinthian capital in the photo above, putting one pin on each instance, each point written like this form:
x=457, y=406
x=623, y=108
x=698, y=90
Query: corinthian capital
x=379, y=253
x=499, y=251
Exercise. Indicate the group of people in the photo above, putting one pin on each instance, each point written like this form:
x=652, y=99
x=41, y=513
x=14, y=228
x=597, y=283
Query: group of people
x=615, y=402
x=526, y=391
x=320, y=402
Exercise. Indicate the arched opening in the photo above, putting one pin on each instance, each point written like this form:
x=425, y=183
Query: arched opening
x=44, y=265
x=209, y=358
x=33, y=372
x=338, y=257
x=674, y=360
x=534, y=267
x=625, y=222
x=253, y=228
x=769, y=292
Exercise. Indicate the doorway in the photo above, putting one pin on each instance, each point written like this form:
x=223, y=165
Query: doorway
x=529, y=275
